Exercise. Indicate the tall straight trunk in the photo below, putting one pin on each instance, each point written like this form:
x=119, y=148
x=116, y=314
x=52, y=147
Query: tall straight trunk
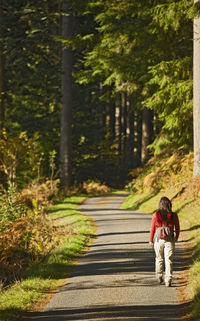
x=120, y=128
x=129, y=133
x=147, y=132
x=196, y=94
x=131, y=117
x=112, y=119
x=2, y=89
x=118, y=125
x=66, y=114
x=123, y=122
x=107, y=118
x=137, y=128
x=109, y=113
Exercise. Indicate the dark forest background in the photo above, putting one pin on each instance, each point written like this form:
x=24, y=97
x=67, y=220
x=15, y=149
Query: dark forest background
x=128, y=91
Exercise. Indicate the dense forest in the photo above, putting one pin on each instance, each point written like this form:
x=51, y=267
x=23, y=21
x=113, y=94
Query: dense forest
x=92, y=92
x=91, y=89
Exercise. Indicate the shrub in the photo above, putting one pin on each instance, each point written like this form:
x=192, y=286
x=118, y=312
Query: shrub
x=20, y=157
x=22, y=241
x=162, y=170
x=39, y=192
x=11, y=206
x=25, y=235
x=95, y=188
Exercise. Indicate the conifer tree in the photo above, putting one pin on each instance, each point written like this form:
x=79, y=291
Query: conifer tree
x=147, y=134
x=2, y=92
x=171, y=75
x=196, y=94
x=66, y=114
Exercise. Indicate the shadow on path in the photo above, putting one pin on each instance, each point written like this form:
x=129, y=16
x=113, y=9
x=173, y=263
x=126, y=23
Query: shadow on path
x=119, y=313
x=124, y=254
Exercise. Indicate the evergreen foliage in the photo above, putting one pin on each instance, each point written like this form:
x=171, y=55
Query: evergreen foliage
x=127, y=55
x=31, y=70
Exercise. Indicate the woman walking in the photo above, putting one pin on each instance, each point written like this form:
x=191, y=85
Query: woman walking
x=164, y=233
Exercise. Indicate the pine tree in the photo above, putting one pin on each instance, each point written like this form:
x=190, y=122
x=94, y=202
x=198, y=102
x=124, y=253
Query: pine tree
x=2, y=89
x=196, y=94
x=66, y=115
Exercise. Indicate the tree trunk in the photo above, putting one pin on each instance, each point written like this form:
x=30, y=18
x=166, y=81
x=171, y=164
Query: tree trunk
x=137, y=132
x=112, y=119
x=196, y=95
x=109, y=113
x=66, y=114
x=2, y=93
x=131, y=118
x=2, y=88
x=118, y=125
x=123, y=123
x=147, y=132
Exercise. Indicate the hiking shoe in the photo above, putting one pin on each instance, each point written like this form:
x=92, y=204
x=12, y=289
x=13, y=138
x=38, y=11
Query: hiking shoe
x=160, y=279
x=168, y=283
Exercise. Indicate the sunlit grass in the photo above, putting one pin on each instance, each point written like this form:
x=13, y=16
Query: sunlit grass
x=18, y=298
x=194, y=288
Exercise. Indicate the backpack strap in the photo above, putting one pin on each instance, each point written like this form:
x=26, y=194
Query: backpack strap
x=171, y=216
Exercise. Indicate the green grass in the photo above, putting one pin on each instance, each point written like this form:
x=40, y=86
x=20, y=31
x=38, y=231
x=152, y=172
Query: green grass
x=41, y=278
x=146, y=202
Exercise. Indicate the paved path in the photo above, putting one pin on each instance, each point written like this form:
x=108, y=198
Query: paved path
x=115, y=280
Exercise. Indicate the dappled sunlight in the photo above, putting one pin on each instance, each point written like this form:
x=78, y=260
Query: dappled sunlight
x=111, y=278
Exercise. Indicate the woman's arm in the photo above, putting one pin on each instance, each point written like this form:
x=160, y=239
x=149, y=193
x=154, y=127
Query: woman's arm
x=153, y=228
x=177, y=226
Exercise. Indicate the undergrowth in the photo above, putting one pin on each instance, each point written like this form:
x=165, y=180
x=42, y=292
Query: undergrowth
x=26, y=235
x=171, y=176
x=41, y=277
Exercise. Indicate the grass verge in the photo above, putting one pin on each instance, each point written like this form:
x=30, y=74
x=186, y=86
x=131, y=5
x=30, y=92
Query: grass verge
x=41, y=279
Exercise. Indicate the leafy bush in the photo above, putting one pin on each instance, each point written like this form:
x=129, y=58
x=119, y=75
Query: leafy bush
x=162, y=170
x=92, y=187
x=11, y=206
x=39, y=192
x=24, y=240
x=25, y=235
x=20, y=157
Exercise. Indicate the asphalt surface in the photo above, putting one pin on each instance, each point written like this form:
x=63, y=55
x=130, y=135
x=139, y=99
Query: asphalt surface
x=115, y=280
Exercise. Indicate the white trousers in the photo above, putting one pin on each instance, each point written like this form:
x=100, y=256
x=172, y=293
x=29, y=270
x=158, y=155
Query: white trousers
x=164, y=255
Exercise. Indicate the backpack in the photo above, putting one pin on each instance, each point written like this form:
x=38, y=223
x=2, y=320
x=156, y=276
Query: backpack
x=165, y=228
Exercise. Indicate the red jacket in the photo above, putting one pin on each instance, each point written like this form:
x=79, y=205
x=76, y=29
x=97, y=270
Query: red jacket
x=155, y=224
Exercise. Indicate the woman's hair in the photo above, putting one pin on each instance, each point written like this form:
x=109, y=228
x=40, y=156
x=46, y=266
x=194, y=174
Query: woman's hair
x=165, y=206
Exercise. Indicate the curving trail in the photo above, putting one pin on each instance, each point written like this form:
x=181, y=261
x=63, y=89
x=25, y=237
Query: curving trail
x=115, y=280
